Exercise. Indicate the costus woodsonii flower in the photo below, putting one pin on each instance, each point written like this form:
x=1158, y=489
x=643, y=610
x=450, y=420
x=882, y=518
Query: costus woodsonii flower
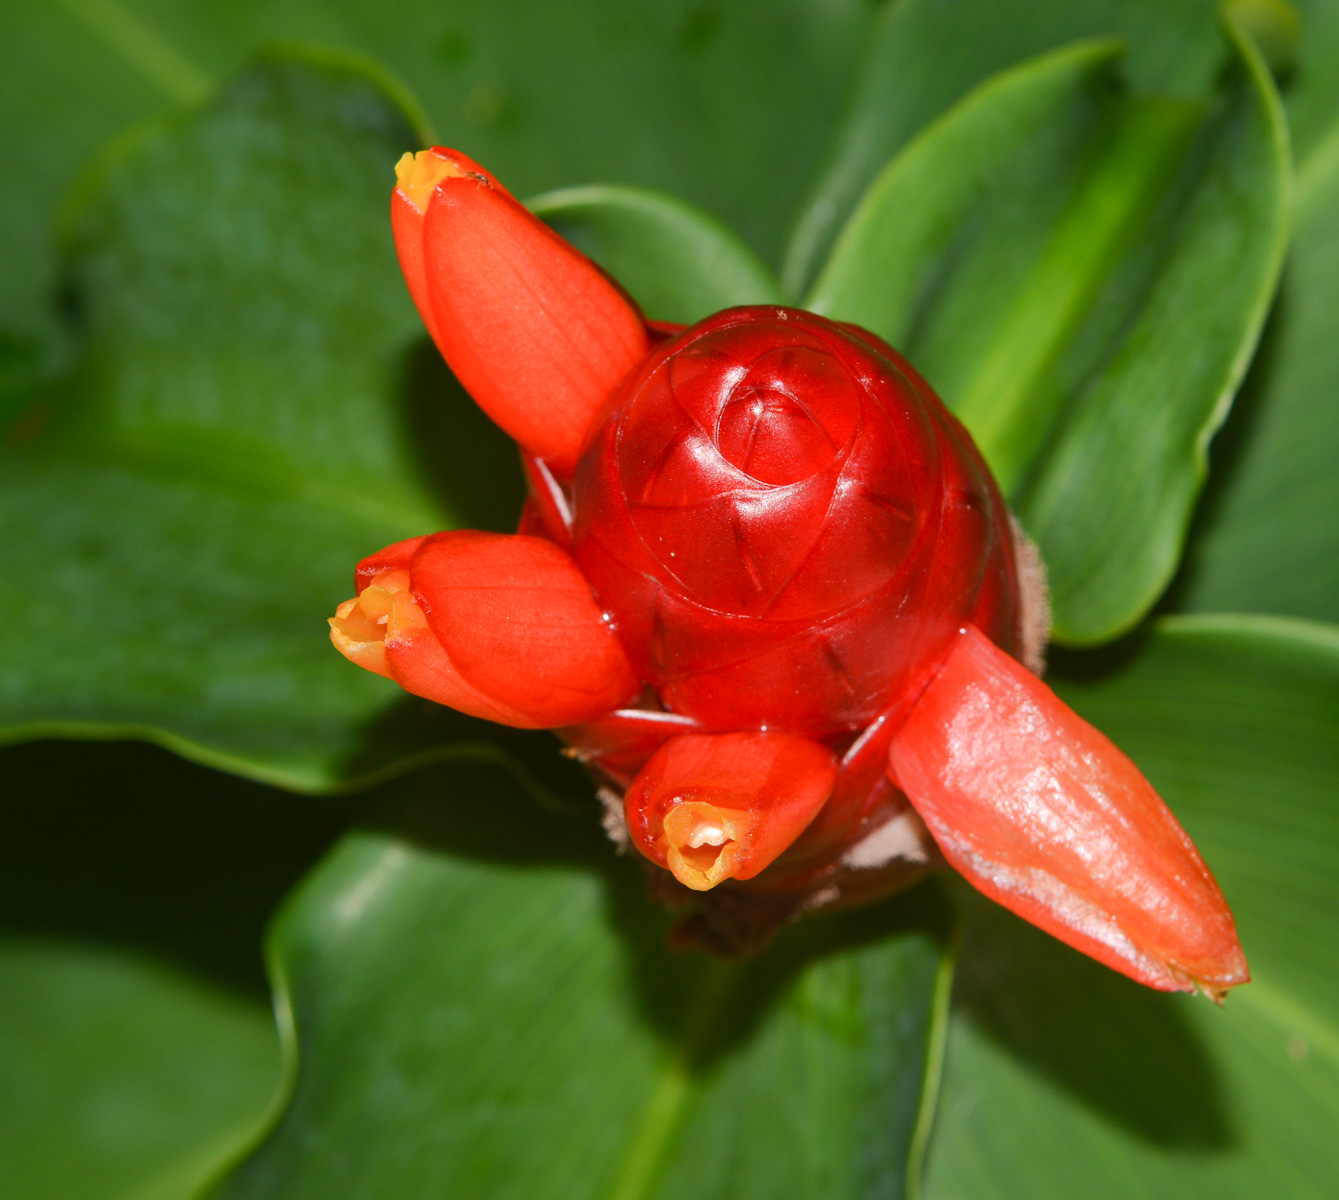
x=766, y=588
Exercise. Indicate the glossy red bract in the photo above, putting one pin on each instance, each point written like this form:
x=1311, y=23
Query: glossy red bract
x=787, y=527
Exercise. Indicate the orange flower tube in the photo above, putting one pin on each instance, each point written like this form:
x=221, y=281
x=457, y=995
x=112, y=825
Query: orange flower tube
x=711, y=808
x=502, y=627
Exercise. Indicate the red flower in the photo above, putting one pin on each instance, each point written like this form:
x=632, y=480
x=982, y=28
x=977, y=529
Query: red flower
x=766, y=586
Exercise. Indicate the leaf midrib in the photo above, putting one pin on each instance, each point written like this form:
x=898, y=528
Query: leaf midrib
x=1293, y=1016
x=665, y=1111
x=141, y=47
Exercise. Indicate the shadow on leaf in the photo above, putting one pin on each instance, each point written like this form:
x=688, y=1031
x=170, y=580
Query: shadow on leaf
x=1122, y=1050
x=412, y=732
x=707, y=1007
x=123, y=843
x=1227, y=456
x=462, y=457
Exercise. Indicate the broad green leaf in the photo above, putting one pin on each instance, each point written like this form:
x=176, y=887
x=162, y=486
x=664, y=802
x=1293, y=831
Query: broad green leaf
x=1062, y=1078
x=484, y=1005
x=678, y=263
x=1266, y=537
x=120, y=1079
x=925, y=55
x=122, y=844
x=256, y=409
x=1313, y=86
x=728, y=105
x=1082, y=276
x=137, y=1045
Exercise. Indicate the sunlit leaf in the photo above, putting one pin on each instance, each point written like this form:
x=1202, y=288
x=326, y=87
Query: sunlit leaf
x=484, y=1006
x=925, y=55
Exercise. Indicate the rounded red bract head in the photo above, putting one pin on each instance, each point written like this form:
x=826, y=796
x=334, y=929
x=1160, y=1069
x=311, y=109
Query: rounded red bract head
x=786, y=526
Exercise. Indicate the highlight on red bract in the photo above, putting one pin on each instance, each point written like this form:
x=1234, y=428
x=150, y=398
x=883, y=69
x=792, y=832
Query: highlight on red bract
x=766, y=588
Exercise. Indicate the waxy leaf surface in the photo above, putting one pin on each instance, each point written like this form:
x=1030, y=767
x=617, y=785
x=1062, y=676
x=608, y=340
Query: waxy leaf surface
x=1062, y=1079
x=255, y=410
x=922, y=56
x=483, y=1005
x=677, y=263
x=1266, y=537
x=1082, y=275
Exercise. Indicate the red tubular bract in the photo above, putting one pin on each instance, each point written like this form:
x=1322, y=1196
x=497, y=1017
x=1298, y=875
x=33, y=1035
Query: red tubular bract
x=1045, y=815
x=726, y=806
x=499, y=626
x=517, y=618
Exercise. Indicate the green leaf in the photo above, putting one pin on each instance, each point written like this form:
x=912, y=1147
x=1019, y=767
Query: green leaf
x=484, y=1005
x=1082, y=276
x=694, y=98
x=137, y=1047
x=245, y=425
x=1063, y=1078
x=120, y=1079
x=925, y=55
x=125, y=845
x=1266, y=537
x=257, y=409
x=678, y=263
x=1313, y=89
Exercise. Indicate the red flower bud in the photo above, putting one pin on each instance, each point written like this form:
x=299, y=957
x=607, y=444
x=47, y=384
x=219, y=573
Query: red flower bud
x=764, y=582
x=500, y=627
x=787, y=526
x=721, y=807
x=537, y=335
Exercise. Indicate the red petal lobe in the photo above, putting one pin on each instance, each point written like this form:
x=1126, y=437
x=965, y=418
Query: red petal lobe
x=516, y=618
x=384, y=630
x=395, y=557
x=535, y=332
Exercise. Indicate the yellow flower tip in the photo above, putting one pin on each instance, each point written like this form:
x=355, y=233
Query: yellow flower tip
x=704, y=842
x=359, y=627
x=417, y=174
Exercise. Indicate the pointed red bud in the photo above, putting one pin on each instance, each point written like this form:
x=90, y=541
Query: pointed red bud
x=498, y=626
x=725, y=806
x=1045, y=815
x=536, y=333
x=385, y=630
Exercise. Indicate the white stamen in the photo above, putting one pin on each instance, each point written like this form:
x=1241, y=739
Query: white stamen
x=707, y=835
